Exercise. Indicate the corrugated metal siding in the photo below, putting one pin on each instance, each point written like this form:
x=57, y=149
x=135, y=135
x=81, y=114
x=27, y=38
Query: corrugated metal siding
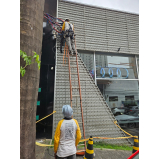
x=99, y=29
x=98, y=118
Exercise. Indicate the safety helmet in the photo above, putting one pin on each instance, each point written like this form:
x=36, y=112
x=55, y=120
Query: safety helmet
x=67, y=19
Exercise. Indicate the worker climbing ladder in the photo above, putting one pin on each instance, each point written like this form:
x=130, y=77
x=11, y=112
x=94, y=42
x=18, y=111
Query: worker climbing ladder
x=75, y=91
x=68, y=91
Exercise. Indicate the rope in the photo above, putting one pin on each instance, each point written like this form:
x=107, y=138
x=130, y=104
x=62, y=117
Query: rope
x=115, y=122
x=46, y=117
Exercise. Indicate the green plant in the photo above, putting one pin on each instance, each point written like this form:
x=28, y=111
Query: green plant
x=52, y=143
x=28, y=60
x=103, y=145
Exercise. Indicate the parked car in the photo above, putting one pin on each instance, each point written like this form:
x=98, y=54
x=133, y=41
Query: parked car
x=132, y=108
x=129, y=120
x=124, y=110
x=118, y=111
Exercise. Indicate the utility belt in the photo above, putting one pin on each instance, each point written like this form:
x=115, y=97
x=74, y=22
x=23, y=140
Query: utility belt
x=68, y=33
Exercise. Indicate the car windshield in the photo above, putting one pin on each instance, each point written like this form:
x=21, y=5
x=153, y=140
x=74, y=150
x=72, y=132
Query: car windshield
x=134, y=113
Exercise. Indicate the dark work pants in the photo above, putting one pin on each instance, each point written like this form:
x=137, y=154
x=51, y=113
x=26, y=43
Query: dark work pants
x=69, y=157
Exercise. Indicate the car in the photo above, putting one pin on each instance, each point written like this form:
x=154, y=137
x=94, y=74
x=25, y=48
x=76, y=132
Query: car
x=124, y=110
x=129, y=120
x=132, y=108
x=118, y=110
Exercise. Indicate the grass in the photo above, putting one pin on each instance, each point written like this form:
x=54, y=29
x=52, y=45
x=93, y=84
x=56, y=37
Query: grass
x=103, y=145
x=52, y=143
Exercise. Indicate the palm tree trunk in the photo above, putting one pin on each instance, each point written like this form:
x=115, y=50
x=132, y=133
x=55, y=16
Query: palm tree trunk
x=31, y=31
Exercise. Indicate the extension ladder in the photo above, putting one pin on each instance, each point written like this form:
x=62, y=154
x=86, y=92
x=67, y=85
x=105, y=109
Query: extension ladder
x=75, y=92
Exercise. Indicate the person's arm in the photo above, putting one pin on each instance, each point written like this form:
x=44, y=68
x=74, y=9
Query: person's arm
x=57, y=135
x=78, y=133
x=63, y=27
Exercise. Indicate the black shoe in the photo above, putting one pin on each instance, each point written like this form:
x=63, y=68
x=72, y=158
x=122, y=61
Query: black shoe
x=70, y=52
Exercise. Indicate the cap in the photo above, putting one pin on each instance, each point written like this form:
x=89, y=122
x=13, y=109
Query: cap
x=67, y=111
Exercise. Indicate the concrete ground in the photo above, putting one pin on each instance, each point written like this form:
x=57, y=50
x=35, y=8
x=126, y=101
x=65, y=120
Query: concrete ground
x=48, y=153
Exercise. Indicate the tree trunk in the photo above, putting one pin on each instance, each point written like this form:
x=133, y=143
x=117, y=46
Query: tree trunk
x=31, y=31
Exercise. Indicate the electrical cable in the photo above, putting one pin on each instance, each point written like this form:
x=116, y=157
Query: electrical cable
x=54, y=17
x=56, y=23
x=52, y=25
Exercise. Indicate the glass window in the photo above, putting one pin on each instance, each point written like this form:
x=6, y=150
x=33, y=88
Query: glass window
x=88, y=59
x=126, y=91
x=115, y=67
x=138, y=64
x=113, y=98
x=129, y=98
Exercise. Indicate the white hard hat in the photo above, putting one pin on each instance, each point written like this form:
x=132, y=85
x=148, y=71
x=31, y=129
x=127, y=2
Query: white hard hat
x=67, y=19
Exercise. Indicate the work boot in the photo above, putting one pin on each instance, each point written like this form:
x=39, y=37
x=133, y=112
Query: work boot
x=70, y=52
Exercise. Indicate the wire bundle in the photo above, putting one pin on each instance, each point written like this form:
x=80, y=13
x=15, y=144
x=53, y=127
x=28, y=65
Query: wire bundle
x=55, y=22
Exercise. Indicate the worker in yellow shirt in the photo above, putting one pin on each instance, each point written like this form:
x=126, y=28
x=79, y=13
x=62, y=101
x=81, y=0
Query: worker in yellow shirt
x=65, y=141
x=69, y=36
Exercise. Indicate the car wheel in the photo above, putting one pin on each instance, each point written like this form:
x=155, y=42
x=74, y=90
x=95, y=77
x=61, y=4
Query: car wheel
x=131, y=125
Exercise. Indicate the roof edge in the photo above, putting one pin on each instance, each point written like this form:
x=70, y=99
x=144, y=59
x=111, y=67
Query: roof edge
x=99, y=7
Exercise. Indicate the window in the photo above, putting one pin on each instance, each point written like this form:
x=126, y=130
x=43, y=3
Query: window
x=128, y=98
x=118, y=92
x=116, y=67
x=87, y=58
x=114, y=98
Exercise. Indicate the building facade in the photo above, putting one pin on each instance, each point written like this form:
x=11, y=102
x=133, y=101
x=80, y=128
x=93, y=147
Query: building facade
x=108, y=42
x=108, y=45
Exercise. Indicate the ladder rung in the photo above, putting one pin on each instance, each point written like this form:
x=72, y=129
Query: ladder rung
x=73, y=67
x=75, y=87
x=74, y=73
x=73, y=61
x=75, y=95
x=76, y=104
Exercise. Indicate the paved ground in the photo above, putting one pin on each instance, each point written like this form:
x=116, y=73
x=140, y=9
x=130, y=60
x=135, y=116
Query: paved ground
x=47, y=153
x=134, y=132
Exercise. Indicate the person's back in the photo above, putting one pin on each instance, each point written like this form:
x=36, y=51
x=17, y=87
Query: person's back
x=64, y=140
x=69, y=35
x=68, y=26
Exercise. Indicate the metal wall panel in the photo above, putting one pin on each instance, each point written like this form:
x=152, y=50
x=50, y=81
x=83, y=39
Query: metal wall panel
x=98, y=118
x=100, y=29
